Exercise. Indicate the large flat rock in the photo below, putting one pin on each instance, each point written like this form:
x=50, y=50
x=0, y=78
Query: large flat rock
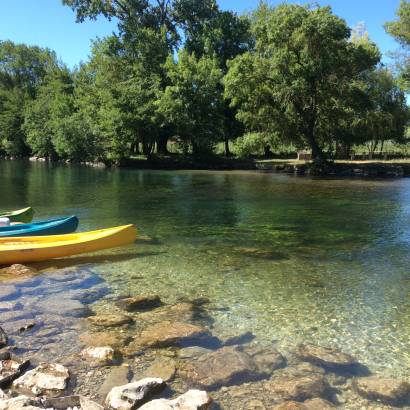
x=47, y=377
x=387, y=390
x=325, y=356
x=223, y=367
x=168, y=333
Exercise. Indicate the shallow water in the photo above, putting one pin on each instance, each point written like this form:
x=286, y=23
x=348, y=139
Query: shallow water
x=288, y=258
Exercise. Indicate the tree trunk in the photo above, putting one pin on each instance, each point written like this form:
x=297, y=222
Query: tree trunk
x=147, y=148
x=227, y=151
x=162, y=145
x=317, y=153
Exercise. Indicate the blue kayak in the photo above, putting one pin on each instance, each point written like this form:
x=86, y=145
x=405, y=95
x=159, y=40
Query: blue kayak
x=51, y=227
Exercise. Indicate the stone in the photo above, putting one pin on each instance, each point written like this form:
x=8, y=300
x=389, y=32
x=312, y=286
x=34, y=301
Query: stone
x=12, y=316
x=223, y=367
x=164, y=369
x=298, y=383
x=63, y=403
x=44, y=378
x=142, y=302
x=21, y=403
x=192, y=352
x=267, y=358
x=8, y=292
x=290, y=405
x=116, y=340
x=168, y=333
x=325, y=356
x=103, y=354
x=180, y=312
x=11, y=369
x=117, y=376
x=7, y=306
x=4, y=340
x=19, y=326
x=131, y=395
x=17, y=270
x=110, y=320
x=318, y=404
x=387, y=390
x=191, y=400
x=64, y=306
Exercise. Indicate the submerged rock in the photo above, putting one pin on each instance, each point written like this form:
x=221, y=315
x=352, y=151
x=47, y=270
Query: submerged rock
x=223, y=367
x=8, y=292
x=298, y=383
x=325, y=356
x=117, y=376
x=318, y=404
x=17, y=270
x=21, y=402
x=168, y=333
x=7, y=306
x=267, y=358
x=387, y=390
x=44, y=378
x=191, y=400
x=11, y=369
x=61, y=305
x=68, y=402
x=164, y=369
x=142, y=302
x=3, y=338
x=104, y=354
x=131, y=395
x=116, y=340
x=110, y=320
x=192, y=352
x=290, y=405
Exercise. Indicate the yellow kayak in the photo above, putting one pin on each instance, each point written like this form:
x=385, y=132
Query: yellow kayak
x=41, y=248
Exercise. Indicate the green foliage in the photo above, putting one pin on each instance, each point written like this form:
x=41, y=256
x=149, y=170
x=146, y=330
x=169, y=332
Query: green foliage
x=387, y=115
x=296, y=81
x=400, y=30
x=193, y=100
x=44, y=115
x=253, y=143
x=22, y=70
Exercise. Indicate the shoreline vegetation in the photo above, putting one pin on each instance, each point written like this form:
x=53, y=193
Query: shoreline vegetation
x=194, y=79
x=338, y=169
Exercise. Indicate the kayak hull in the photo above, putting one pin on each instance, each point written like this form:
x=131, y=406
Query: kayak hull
x=24, y=215
x=52, y=227
x=42, y=248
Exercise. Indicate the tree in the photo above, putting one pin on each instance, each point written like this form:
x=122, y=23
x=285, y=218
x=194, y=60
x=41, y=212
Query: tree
x=193, y=100
x=295, y=81
x=44, y=115
x=400, y=30
x=22, y=70
x=387, y=115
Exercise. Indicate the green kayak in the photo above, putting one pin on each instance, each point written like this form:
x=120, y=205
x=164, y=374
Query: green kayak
x=22, y=215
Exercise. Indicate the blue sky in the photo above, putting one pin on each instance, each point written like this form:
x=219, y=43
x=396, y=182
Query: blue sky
x=48, y=23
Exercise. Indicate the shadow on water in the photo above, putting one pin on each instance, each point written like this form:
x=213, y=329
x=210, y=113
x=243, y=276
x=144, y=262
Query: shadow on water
x=93, y=259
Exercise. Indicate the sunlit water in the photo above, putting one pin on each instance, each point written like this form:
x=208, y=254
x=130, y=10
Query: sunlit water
x=290, y=259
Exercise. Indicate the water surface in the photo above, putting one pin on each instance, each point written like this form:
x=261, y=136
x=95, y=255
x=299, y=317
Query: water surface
x=290, y=259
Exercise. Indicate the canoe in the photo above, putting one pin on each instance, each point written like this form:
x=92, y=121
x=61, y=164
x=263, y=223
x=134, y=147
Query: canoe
x=24, y=215
x=42, y=248
x=58, y=226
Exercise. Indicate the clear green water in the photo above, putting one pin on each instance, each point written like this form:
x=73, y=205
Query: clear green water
x=288, y=258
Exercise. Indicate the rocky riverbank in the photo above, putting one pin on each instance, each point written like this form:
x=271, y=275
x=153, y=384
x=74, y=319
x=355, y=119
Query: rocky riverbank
x=137, y=352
